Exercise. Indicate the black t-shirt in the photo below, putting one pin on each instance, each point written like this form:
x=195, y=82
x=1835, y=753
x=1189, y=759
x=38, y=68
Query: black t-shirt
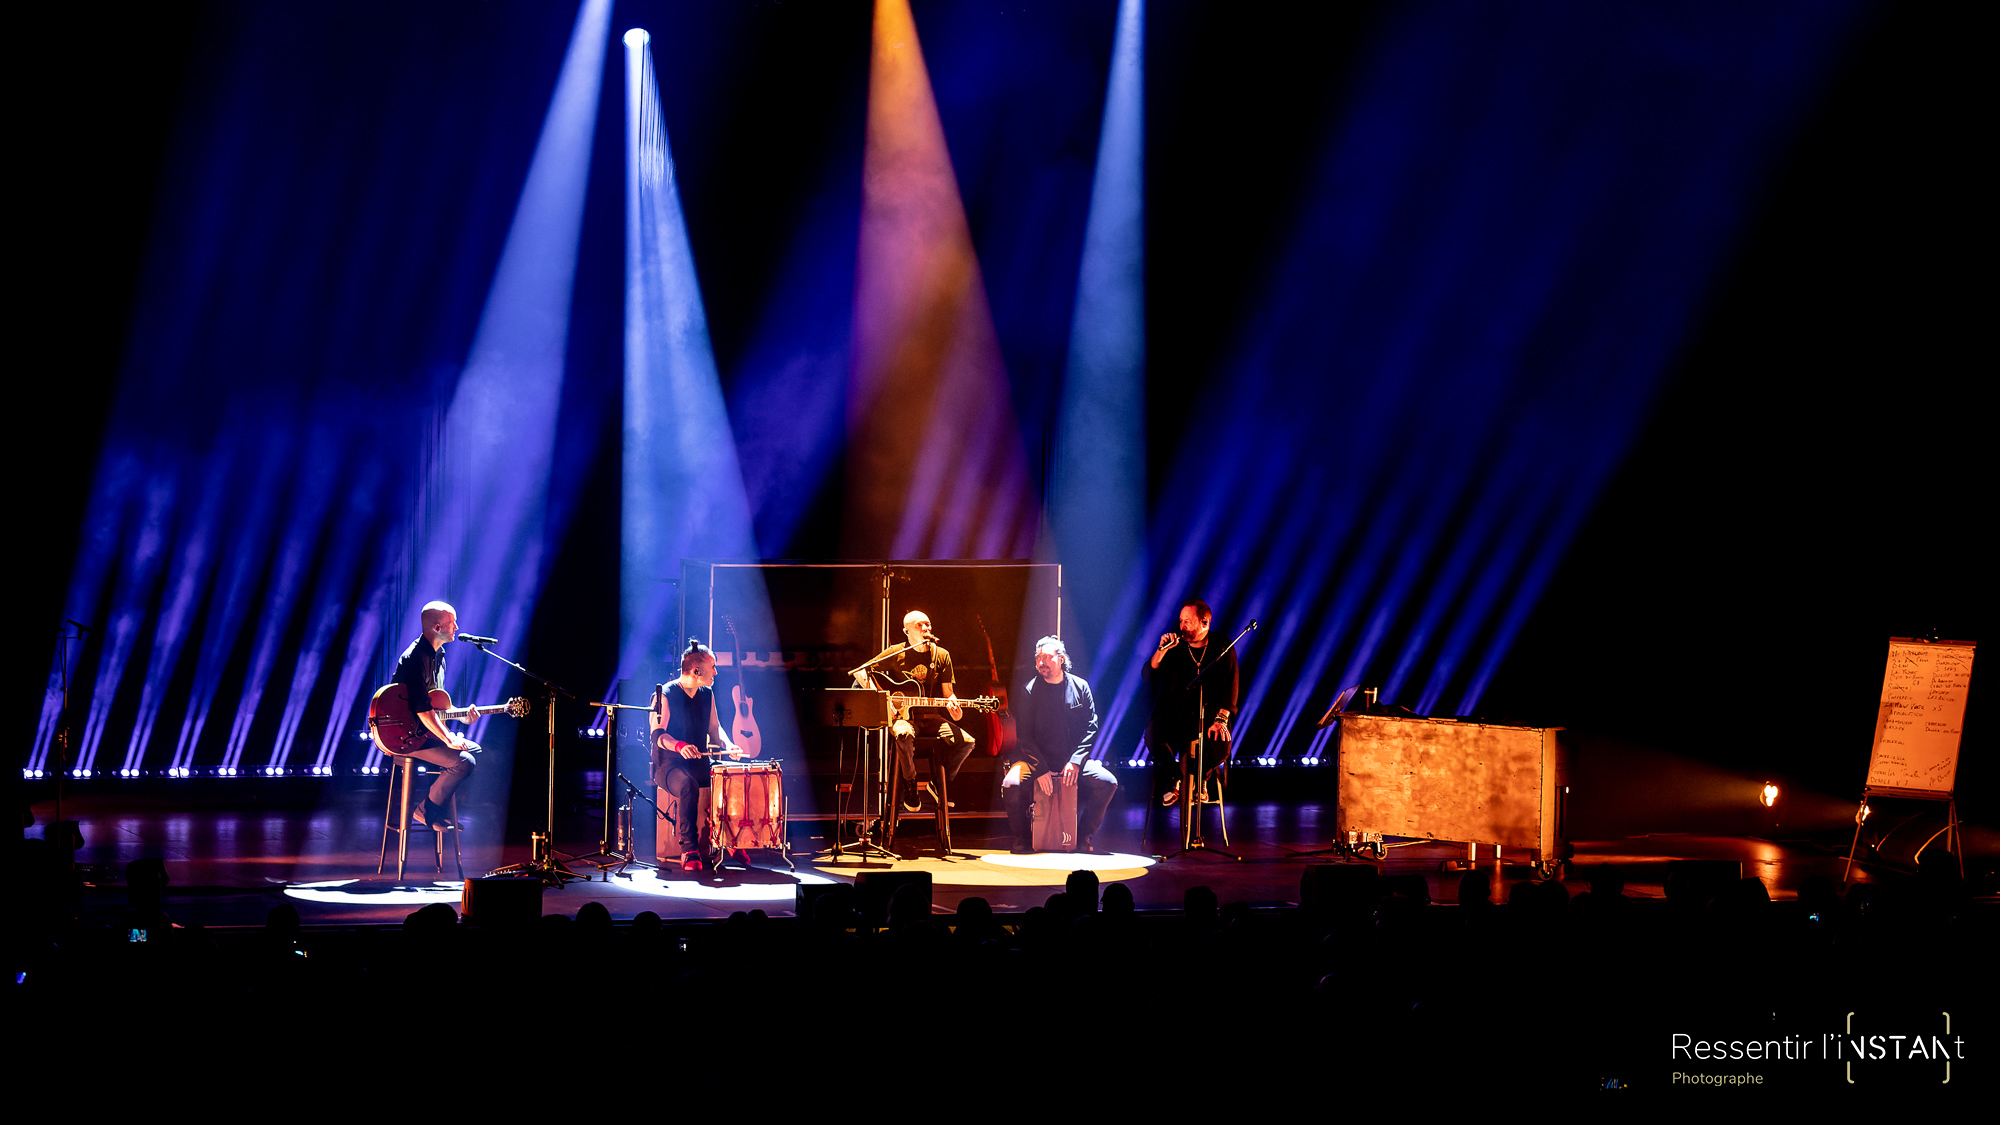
x=687, y=720
x=900, y=672
x=421, y=671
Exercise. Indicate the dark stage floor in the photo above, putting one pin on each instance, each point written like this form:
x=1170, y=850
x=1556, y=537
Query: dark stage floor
x=229, y=865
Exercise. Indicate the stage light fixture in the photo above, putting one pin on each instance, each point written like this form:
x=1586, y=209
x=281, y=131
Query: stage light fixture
x=1769, y=796
x=637, y=38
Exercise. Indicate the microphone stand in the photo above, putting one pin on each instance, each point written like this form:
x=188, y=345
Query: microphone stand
x=625, y=822
x=1193, y=785
x=612, y=856
x=544, y=861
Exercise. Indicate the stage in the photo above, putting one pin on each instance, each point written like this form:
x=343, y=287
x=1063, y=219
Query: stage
x=228, y=866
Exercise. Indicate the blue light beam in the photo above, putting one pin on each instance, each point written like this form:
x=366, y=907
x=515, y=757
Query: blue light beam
x=683, y=487
x=1097, y=496
x=484, y=553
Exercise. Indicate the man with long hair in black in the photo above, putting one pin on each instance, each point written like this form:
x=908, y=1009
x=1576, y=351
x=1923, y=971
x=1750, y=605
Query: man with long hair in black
x=1184, y=708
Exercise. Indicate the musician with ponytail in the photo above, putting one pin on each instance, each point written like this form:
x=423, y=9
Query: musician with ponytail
x=684, y=722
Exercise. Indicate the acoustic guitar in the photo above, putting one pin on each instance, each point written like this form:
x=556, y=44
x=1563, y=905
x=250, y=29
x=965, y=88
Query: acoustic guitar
x=744, y=730
x=904, y=704
x=397, y=729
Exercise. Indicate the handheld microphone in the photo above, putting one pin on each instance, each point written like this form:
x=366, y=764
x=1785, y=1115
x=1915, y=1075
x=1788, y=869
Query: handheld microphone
x=470, y=639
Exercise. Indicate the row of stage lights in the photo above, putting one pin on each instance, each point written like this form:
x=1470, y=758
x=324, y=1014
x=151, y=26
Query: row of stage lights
x=215, y=771
x=1766, y=796
x=1135, y=763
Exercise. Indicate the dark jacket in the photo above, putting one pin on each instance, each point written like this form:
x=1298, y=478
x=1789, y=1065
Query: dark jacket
x=1056, y=724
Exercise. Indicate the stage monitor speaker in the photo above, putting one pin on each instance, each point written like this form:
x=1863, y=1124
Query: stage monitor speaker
x=876, y=888
x=1328, y=887
x=500, y=902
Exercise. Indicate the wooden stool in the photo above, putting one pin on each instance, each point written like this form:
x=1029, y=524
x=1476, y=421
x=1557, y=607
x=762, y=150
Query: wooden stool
x=401, y=790
x=1210, y=793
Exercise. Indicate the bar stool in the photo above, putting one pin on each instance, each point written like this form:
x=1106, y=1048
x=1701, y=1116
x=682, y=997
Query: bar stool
x=401, y=788
x=1210, y=792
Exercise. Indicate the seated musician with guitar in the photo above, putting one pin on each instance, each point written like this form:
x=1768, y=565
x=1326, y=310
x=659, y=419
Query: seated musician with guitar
x=420, y=671
x=922, y=671
x=683, y=722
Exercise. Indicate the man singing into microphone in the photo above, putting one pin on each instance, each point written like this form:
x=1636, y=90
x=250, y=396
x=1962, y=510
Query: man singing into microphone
x=1185, y=708
x=421, y=671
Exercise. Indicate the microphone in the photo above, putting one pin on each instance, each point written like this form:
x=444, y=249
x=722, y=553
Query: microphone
x=78, y=624
x=1253, y=623
x=470, y=639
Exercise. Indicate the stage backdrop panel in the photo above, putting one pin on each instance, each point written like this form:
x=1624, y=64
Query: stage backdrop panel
x=799, y=626
x=1444, y=780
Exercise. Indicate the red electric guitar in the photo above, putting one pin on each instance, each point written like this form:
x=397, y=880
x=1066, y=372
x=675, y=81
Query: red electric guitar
x=1001, y=734
x=397, y=729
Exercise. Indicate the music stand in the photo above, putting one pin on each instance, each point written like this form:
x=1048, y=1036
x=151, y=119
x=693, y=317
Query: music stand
x=866, y=711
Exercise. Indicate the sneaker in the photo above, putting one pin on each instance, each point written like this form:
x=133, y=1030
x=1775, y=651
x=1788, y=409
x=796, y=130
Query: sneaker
x=914, y=802
x=1019, y=850
x=1170, y=797
x=691, y=861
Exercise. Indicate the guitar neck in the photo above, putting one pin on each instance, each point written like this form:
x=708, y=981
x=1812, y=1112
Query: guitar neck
x=462, y=714
x=981, y=703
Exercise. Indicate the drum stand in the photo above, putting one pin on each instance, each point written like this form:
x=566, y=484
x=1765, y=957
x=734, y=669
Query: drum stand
x=617, y=849
x=783, y=849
